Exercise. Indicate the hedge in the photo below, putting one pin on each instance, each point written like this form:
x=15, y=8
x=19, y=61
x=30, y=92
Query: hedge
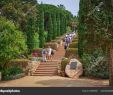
x=22, y=63
x=73, y=45
x=75, y=40
x=64, y=62
x=52, y=45
x=71, y=52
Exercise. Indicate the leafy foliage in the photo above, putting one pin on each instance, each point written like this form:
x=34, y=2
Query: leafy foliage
x=12, y=42
x=93, y=67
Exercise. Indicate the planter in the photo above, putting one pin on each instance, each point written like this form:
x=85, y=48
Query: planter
x=12, y=77
x=0, y=76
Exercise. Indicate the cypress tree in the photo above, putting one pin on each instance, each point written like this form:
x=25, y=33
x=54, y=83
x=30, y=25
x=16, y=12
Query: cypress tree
x=54, y=27
x=30, y=34
x=58, y=25
x=50, y=29
x=41, y=28
x=61, y=24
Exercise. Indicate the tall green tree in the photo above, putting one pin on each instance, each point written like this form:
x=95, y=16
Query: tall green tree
x=41, y=28
x=50, y=29
x=54, y=27
x=58, y=25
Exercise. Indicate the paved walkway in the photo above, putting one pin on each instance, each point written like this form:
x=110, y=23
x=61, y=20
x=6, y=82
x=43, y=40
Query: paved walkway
x=54, y=81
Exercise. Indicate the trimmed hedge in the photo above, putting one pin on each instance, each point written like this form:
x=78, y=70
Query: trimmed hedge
x=75, y=40
x=71, y=52
x=73, y=45
x=22, y=63
x=64, y=62
x=52, y=45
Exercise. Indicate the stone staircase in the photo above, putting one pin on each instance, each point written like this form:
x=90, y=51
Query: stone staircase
x=46, y=69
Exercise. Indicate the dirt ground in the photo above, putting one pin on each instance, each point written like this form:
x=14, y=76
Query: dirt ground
x=54, y=81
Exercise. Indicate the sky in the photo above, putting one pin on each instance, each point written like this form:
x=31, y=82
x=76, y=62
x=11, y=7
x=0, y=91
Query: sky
x=71, y=5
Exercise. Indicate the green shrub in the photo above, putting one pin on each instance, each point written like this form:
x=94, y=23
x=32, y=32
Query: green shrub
x=73, y=45
x=75, y=40
x=36, y=41
x=52, y=45
x=38, y=51
x=11, y=71
x=94, y=68
x=12, y=42
x=45, y=35
x=68, y=30
x=71, y=52
x=64, y=62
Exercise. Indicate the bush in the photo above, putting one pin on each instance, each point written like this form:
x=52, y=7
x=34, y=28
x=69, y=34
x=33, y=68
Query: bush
x=73, y=45
x=99, y=70
x=71, y=52
x=45, y=35
x=12, y=42
x=52, y=45
x=64, y=62
x=38, y=51
x=11, y=71
x=36, y=41
x=75, y=40
x=68, y=30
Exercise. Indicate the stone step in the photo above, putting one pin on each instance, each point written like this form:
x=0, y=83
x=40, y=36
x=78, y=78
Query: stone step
x=44, y=74
x=47, y=65
x=47, y=70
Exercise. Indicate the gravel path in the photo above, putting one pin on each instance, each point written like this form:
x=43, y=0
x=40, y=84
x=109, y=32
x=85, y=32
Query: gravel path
x=54, y=81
